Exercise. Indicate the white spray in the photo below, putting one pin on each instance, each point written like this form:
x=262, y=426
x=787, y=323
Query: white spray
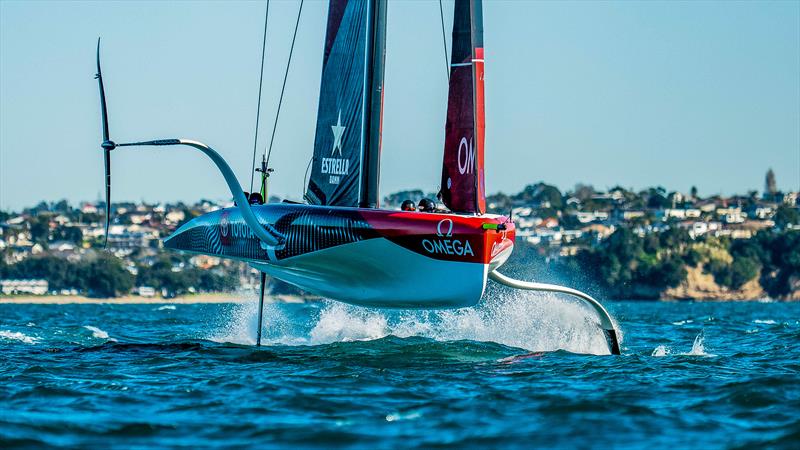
x=528, y=320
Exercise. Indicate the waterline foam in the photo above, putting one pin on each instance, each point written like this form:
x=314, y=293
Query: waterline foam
x=527, y=320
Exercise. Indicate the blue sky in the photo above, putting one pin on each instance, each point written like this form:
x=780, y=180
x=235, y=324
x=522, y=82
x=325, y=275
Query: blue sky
x=631, y=93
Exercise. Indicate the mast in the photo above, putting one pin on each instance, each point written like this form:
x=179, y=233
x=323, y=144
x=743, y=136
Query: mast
x=370, y=177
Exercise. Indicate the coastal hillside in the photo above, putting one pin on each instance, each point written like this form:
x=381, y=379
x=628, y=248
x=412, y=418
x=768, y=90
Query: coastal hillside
x=672, y=265
x=620, y=243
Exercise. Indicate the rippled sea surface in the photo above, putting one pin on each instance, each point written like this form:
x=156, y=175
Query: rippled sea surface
x=516, y=372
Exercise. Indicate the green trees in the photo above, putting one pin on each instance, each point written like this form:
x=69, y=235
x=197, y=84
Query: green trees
x=60, y=273
x=104, y=276
x=100, y=276
x=172, y=274
x=541, y=193
x=627, y=265
x=786, y=215
x=773, y=257
x=780, y=274
x=68, y=233
x=40, y=229
x=630, y=265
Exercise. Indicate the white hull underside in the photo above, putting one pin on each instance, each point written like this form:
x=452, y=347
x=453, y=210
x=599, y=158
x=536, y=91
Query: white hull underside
x=379, y=273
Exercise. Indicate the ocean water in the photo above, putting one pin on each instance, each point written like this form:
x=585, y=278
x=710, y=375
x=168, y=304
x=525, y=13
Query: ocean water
x=519, y=371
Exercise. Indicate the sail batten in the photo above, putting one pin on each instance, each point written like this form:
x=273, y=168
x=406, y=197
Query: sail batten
x=462, y=184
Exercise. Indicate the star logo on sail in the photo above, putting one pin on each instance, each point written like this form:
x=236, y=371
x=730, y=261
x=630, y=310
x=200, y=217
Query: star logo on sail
x=334, y=167
x=338, y=132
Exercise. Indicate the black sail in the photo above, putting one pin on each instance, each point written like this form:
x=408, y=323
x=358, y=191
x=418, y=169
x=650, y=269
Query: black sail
x=345, y=168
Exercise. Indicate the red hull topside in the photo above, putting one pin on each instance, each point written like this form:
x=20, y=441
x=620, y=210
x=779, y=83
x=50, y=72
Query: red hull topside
x=452, y=237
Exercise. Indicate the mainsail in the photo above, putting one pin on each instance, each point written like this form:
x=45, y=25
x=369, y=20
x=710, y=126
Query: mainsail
x=462, y=171
x=346, y=164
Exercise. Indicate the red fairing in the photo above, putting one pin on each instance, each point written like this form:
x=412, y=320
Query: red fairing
x=444, y=236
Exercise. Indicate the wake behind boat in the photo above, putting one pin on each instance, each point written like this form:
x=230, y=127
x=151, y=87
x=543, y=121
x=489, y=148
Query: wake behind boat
x=340, y=244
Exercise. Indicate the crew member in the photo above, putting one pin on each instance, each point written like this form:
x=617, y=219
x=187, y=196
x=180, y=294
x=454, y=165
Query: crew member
x=426, y=205
x=256, y=199
x=408, y=205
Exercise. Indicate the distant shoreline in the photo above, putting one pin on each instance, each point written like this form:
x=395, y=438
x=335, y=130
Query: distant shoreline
x=137, y=300
x=237, y=298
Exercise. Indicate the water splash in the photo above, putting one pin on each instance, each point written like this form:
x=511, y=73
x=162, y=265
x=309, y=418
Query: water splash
x=17, y=336
x=765, y=322
x=98, y=333
x=698, y=347
x=240, y=323
x=237, y=326
x=166, y=308
x=340, y=323
x=532, y=321
x=660, y=351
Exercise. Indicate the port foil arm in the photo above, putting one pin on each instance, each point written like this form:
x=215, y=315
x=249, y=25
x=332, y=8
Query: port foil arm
x=605, y=318
x=266, y=233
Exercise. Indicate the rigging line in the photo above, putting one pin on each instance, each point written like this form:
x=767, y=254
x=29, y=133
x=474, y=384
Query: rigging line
x=260, y=84
x=283, y=88
x=305, y=177
x=444, y=42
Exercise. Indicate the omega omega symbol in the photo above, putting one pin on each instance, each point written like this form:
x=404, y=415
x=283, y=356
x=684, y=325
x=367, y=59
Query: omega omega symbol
x=449, y=229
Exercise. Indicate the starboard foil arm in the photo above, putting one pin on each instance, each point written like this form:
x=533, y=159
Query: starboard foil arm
x=605, y=318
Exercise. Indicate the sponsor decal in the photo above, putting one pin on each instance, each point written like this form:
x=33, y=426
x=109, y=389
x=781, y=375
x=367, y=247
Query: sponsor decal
x=448, y=247
x=338, y=133
x=466, y=156
x=444, y=224
x=444, y=244
x=336, y=167
x=241, y=230
x=224, y=228
x=228, y=231
x=498, y=246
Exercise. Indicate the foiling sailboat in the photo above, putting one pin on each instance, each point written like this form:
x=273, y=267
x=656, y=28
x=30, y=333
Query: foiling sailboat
x=340, y=244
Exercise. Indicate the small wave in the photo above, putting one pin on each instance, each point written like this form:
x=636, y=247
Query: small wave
x=166, y=308
x=113, y=346
x=765, y=322
x=17, y=336
x=660, y=351
x=98, y=333
x=683, y=322
x=394, y=417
